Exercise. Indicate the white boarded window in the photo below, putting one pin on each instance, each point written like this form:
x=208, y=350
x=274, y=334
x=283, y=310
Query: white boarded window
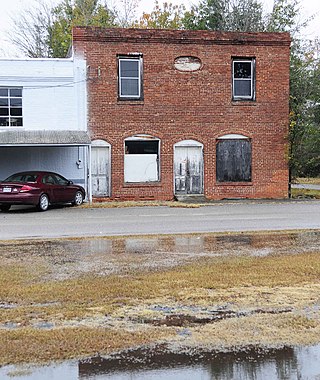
x=141, y=159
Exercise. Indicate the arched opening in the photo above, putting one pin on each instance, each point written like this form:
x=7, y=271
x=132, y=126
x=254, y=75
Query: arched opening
x=100, y=168
x=188, y=167
x=233, y=158
x=141, y=159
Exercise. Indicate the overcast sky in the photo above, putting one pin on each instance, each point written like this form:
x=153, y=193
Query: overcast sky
x=10, y=7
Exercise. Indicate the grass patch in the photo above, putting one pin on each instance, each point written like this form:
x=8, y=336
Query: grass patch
x=305, y=193
x=122, y=204
x=27, y=344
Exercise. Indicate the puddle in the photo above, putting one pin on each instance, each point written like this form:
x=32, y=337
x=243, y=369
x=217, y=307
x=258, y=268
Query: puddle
x=283, y=364
x=69, y=258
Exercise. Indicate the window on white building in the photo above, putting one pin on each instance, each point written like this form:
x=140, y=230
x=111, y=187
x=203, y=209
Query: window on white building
x=243, y=74
x=130, y=77
x=11, y=107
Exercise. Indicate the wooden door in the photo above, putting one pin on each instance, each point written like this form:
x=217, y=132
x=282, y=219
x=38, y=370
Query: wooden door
x=100, y=171
x=188, y=170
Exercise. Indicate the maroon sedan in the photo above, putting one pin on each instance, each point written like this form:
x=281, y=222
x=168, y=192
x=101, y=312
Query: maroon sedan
x=40, y=189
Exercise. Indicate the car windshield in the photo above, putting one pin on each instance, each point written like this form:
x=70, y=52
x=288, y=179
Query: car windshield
x=22, y=177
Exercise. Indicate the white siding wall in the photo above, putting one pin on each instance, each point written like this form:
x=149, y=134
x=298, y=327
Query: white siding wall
x=62, y=160
x=54, y=92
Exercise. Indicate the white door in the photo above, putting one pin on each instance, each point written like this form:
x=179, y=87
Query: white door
x=188, y=169
x=100, y=171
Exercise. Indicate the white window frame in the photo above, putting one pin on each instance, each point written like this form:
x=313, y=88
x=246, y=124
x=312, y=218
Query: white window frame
x=252, y=93
x=132, y=59
x=10, y=117
x=143, y=138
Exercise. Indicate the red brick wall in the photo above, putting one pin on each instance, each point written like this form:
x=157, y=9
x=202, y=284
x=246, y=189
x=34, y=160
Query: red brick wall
x=191, y=105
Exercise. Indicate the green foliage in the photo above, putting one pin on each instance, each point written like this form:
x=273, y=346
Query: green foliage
x=168, y=16
x=226, y=15
x=76, y=13
x=304, y=132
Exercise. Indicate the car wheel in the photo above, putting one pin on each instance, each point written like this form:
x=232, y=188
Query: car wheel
x=5, y=207
x=78, y=199
x=43, y=203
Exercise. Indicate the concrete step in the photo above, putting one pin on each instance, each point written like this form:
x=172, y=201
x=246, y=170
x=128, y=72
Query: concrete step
x=192, y=198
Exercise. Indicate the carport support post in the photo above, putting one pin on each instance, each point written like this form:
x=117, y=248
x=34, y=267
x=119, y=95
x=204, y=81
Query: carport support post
x=89, y=175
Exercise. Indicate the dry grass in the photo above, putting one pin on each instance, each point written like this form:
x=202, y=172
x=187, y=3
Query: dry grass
x=121, y=204
x=305, y=193
x=29, y=344
x=94, y=313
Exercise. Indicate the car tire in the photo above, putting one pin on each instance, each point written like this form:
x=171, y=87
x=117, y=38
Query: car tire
x=43, y=204
x=5, y=208
x=78, y=199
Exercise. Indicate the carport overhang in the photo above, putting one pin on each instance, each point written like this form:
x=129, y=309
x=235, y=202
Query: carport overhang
x=49, y=138
x=44, y=138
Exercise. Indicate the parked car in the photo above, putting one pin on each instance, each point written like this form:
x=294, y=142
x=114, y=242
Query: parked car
x=39, y=188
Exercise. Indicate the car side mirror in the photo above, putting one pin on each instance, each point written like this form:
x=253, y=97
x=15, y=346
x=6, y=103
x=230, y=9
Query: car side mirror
x=70, y=183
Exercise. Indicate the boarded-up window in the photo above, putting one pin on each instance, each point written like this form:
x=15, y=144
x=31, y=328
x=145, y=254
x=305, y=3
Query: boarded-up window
x=141, y=160
x=233, y=161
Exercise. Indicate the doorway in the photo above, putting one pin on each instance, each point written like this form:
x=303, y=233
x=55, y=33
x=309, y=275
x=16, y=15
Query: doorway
x=100, y=168
x=188, y=167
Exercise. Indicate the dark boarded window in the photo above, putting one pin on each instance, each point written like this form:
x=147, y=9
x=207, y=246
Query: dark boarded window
x=233, y=160
x=243, y=72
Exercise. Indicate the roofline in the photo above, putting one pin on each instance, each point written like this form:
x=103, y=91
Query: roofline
x=200, y=37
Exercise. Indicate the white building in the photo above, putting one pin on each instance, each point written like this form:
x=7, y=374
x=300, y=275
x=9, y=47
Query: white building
x=43, y=117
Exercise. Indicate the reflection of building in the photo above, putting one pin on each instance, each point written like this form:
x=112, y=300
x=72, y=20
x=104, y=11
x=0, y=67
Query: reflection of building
x=43, y=118
x=186, y=112
x=160, y=363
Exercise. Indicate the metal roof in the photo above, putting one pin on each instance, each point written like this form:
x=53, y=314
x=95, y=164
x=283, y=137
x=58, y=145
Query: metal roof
x=27, y=138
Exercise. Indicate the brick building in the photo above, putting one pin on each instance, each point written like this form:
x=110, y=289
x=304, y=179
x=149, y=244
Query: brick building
x=186, y=112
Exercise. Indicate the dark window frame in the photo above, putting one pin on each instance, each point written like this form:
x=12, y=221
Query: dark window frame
x=252, y=95
x=11, y=112
x=137, y=58
x=234, y=170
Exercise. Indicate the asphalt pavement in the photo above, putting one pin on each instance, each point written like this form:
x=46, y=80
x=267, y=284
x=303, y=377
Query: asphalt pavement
x=67, y=221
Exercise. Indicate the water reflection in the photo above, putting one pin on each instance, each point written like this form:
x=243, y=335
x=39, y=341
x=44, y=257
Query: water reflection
x=64, y=258
x=285, y=364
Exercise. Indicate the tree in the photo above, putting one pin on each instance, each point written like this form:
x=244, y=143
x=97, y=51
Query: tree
x=304, y=132
x=126, y=13
x=44, y=31
x=168, y=16
x=71, y=13
x=226, y=15
x=31, y=31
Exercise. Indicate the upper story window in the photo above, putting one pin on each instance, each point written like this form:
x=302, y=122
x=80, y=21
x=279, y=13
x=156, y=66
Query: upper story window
x=11, y=107
x=130, y=78
x=243, y=75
